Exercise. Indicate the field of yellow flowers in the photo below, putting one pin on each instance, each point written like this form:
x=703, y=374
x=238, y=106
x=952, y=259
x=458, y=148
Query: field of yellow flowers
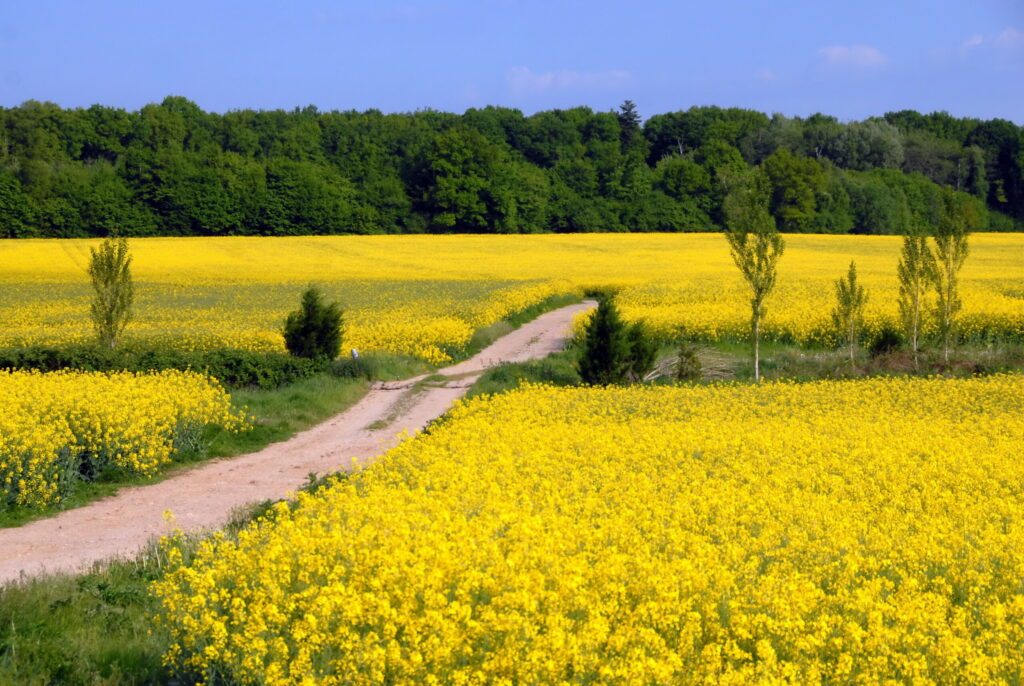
x=425, y=295
x=51, y=423
x=866, y=531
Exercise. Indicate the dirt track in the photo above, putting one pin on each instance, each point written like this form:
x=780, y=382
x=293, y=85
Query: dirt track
x=203, y=497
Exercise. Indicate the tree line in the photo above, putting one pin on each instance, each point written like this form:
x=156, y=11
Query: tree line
x=174, y=169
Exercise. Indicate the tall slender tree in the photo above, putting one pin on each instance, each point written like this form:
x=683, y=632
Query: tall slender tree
x=916, y=271
x=951, y=252
x=113, y=290
x=755, y=244
x=848, y=314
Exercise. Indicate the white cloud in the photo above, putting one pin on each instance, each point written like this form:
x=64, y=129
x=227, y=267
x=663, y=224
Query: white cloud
x=852, y=56
x=973, y=42
x=1010, y=38
x=523, y=80
x=767, y=75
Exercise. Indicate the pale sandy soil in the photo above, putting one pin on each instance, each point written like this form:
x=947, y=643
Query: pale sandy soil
x=202, y=498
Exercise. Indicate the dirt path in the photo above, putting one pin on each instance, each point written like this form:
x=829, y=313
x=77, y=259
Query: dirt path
x=202, y=498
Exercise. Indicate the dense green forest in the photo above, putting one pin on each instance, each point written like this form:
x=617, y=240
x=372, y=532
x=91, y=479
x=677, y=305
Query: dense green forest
x=173, y=169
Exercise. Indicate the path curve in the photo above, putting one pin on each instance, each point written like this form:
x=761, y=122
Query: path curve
x=203, y=497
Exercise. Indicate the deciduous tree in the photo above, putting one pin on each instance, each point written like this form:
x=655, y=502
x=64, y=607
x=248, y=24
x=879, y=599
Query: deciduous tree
x=756, y=246
x=848, y=315
x=113, y=290
x=915, y=270
x=951, y=251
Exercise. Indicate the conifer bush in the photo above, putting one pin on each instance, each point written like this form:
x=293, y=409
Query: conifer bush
x=314, y=330
x=615, y=352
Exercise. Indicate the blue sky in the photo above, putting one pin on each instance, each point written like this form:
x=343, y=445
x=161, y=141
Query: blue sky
x=851, y=59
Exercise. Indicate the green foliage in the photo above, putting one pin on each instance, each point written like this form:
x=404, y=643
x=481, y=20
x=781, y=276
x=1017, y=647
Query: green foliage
x=559, y=369
x=460, y=167
x=630, y=131
x=643, y=352
x=314, y=330
x=114, y=291
x=886, y=340
x=848, y=315
x=951, y=252
x=614, y=352
x=797, y=182
x=871, y=144
x=93, y=628
x=755, y=245
x=605, y=356
x=233, y=368
x=915, y=271
x=17, y=209
x=173, y=169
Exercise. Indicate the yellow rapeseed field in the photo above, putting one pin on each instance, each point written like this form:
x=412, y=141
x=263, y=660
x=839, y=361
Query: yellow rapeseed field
x=862, y=532
x=50, y=423
x=425, y=295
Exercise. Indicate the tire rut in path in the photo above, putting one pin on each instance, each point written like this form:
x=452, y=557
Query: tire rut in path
x=202, y=498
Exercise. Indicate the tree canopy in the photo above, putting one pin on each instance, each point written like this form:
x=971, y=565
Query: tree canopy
x=173, y=169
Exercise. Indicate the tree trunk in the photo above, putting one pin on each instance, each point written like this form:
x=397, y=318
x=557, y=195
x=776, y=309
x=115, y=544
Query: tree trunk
x=947, y=315
x=913, y=337
x=853, y=342
x=757, y=347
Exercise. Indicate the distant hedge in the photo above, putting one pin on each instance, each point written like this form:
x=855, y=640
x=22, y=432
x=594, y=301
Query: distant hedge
x=233, y=368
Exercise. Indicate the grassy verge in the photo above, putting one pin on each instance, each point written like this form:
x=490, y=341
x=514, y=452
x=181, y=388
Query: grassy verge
x=788, y=361
x=558, y=369
x=485, y=336
x=96, y=627
x=277, y=414
x=379, y=367
x=731, y=361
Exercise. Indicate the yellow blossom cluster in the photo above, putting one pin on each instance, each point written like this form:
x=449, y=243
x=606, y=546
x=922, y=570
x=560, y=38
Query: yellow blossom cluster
x=860, y=532
x=51, y=424
x=425, y=295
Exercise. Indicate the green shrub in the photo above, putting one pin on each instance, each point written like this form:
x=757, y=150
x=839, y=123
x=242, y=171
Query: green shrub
x=314, y=330
x=643, y=351
x=614, y=352
x=605, y=356
x=887, y=340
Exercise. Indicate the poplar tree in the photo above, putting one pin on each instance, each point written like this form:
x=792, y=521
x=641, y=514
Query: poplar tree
x=916, y=271
x=951, y=251
x=848, y=315
x=114, y=291
x=756, y=246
